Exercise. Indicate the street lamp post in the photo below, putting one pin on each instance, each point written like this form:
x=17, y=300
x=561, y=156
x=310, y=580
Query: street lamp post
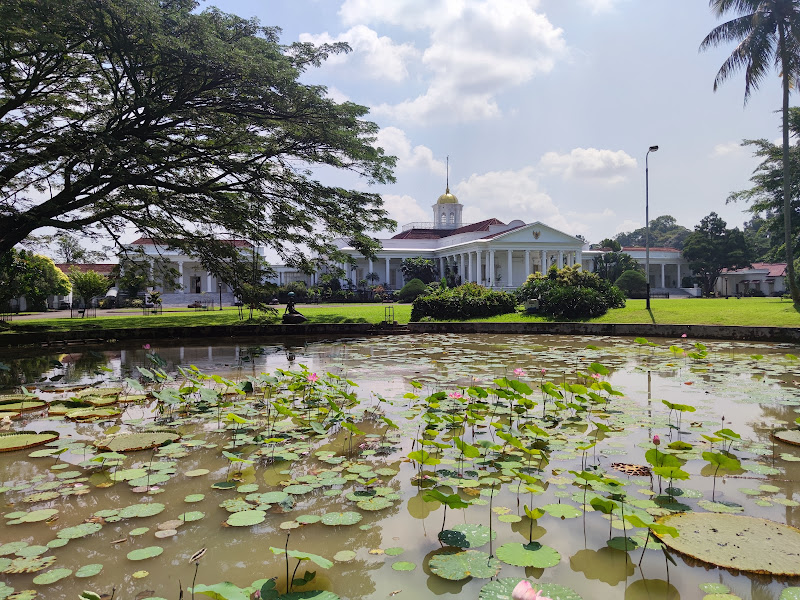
x=647, y=220
x=219, y=285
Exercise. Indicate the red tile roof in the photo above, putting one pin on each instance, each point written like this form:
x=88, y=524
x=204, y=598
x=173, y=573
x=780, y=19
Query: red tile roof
x=151, y=242
x=102, y=268
x=773, y=269
x=435, y=234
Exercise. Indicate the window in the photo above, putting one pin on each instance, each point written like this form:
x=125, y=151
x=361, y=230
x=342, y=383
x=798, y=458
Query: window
x=194, y=284
x=443, y=219
x=452, y=218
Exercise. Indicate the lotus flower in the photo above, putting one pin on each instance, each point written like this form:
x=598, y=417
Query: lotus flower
x=455, y=395
x=313, y=377
x=519, y=372
x=656, y=440
x=146, y=346
x=683, y=336
x=524, y=591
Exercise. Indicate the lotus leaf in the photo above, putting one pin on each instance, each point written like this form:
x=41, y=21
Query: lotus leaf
x=10, y=441
x=394, y=551
x=32, y=551
x=461, y=565
x=29, y=565
x=57, y=543
x=194, y=515
x=246, y=518
x=790, y=436
x=52, y=576
x=341, y=518
x=79, y=531
x=562, y=511
x=39, y=515
x=19, y=407
x=501, y=590
x=308, y=519
x=272, y=497
x=139, y=531
x=344, y=556
x=11, y=548
x=89, y=414
x=197, y=472
x=736, y=542
x=191, y=498
x=403, y=565
x=376, y=503
x=89, y=570
x=131, y=442
x=533, y=554
x=790, y=593
x=466, y=535
x=298, y=489
x=145, y=553
x=141, y=510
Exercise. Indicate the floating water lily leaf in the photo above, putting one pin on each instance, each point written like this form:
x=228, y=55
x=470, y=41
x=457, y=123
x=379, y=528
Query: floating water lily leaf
x=79, y=531
x=790, y=436
x=221, y=591
x=714, y=588
x=193, y=515
x=29, y=565
x=461, y=565
x=736, y=542
x=39, y=515
x=32, y=551
x=403, y=565
x=344, y=556
x=89, y=414
x=376, y=503
x=308, y=519
x=145, y=553
x=143, y=509
x=139, y=531
x=341, y=518
x=19, y=440
x=197, y=472
x=194, y=498
x=790, y=593
x=562, y=511
x=52, y=576
x=501, y=589
x=533, y=554
x=298, y=489
x=272, y=497
x=466, y=535
x=89, y=570
x=246, y=518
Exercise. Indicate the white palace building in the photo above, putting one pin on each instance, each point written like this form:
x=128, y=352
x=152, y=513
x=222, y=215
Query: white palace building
x=490, y=253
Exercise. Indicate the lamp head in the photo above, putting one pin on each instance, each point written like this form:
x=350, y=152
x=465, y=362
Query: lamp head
x=653, y=149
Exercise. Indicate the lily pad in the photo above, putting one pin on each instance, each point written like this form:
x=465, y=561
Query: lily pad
x=148, y=509
x=341, y=518
x=19, y=440
x=533, y=554
x=736, y=542
x=89, y=570
x=456, y=566
x=344, y=556
x=466, y=535
x=145, y=553
x=501, y=589
x=246, y=518
x=562, y=511
x=52, y=576
x=375, y=503
x=790, y=436
x=404, y=565
x=79, y=531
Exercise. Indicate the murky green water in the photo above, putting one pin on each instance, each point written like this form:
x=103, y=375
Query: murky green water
x=754, y=388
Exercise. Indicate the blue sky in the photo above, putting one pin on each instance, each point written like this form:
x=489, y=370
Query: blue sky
x=545, y=107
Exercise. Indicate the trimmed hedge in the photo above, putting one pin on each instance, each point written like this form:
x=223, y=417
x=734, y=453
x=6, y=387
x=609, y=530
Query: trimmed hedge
x=571, y=293
x=411, y=290
x=466, y=301
x=633, y=283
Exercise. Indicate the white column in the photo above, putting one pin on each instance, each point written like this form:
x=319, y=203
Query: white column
x=663, y=280
x=678, y=267
x=387, y=270
x=509, y=279
x=477, y=266
x=560, y=262
x=369, y=267
x=527, y=269
x=544, y=262
x=579, y=258
x=470, y=270
x=441, y=266
x=491, y=266
x=209, y=283
x=180, y=278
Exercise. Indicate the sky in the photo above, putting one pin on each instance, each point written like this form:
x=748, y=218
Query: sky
x=546, y=108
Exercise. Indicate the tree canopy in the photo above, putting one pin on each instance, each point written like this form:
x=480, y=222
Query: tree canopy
x=664, y=232
x=190, y=126
x=767, y=34
x=419, y=268
x=711, y=247
x=88, y=284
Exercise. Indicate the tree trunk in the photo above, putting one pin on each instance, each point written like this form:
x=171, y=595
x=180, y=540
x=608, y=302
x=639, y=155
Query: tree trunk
x=787, y=178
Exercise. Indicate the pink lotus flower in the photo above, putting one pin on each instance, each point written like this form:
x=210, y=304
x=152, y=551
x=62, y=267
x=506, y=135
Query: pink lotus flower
x=524, y=591
x=519, y=372
x=656, y=440
x=544, y=371
x=684, y=335
x=313, y=377
x=146, y=346
x=455, y=395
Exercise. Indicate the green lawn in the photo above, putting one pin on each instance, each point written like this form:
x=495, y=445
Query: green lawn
x=713, y=311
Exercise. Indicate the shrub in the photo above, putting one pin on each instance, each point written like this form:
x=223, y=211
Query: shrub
x=411, y=290
x=571, y=293
x=466, y=301
x=753, y=293
x=633, y=283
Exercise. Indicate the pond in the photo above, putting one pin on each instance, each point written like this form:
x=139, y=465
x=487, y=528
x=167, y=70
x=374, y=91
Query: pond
x=401, y=467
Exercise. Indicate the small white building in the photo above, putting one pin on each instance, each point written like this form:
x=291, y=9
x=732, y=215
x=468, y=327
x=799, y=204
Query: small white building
x=767, y=278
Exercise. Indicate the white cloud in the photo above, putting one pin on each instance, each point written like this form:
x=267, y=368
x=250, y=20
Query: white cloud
x=600, y=6
x=378, y=56
x=608, y=166
x=337, y=95
x=395, y=142
x=628, y=225
x=477, y=50
x=405, y=209
x=511, y=195
x=728, y=149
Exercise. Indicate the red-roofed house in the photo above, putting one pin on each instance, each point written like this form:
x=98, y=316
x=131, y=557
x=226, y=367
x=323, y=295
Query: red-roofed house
x=766, y=278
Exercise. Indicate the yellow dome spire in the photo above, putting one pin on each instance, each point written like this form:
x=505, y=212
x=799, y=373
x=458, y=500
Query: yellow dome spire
x=447, y=197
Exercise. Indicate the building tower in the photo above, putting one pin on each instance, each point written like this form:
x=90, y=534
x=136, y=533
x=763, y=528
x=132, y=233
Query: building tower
x=447, y=210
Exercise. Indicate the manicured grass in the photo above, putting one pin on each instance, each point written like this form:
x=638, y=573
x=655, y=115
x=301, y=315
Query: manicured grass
x=713, y=311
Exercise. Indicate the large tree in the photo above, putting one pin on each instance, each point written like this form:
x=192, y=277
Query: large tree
x=768, y=36
x=189, y=126
x=711, y=248
x=664, y=232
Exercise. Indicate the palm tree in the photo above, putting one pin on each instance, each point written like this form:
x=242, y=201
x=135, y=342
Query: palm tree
x=767, y=33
